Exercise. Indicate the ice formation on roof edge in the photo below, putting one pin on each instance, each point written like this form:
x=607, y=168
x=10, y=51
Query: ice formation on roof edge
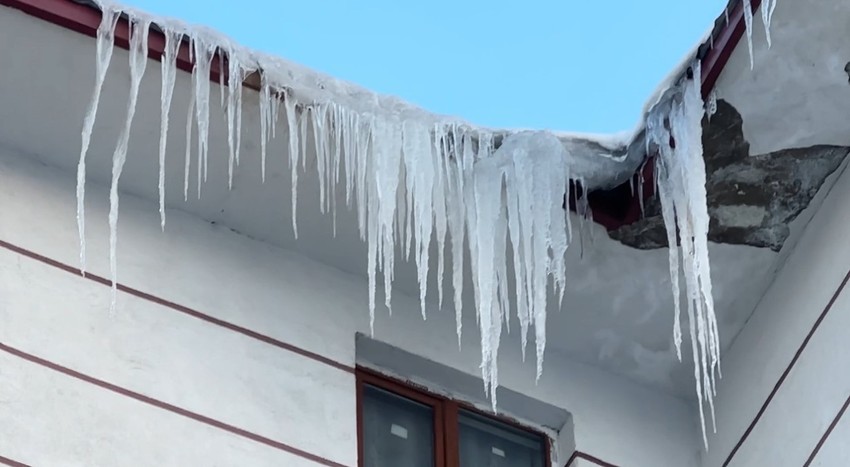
x=768, y=7
x=674, y=134
x=413, y=176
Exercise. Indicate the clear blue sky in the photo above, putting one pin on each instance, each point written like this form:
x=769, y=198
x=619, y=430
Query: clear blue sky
x=577, y=65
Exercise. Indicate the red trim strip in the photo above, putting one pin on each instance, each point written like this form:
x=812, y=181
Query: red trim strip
x=11, y=463
x=584, y=456
x=179, y=308
x=168, y=407
x=85, y=20
x=787, y=371
x=828, y=432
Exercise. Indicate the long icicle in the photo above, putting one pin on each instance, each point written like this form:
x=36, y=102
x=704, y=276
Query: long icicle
x=187, y=161
x=105, y=45
x=169, y=76
x=676, y=131
x=139, y=28
x=204, y=52
x=748, y=24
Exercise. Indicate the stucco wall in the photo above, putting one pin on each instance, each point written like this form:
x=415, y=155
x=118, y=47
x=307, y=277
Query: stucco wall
x=817, y=385
x=182, y=377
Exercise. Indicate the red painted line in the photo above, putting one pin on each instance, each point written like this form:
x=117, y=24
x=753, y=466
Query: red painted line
x=828, y=432
x=180, y=308
x=587, y=457
x=167, y=407
x=787, y=371
x=11, y=463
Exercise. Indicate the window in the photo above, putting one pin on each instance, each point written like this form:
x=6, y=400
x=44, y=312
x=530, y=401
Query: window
x=399, y=425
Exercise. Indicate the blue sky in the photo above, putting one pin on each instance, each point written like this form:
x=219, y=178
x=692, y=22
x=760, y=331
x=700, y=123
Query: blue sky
x=551, y=64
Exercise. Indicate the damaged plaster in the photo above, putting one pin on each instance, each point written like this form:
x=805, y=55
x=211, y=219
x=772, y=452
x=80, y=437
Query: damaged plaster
x=751, y=199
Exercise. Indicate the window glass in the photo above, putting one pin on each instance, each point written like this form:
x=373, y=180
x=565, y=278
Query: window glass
x=396, y=431
x=489, y=443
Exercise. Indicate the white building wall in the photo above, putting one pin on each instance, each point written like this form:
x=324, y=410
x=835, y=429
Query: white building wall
x=817, y=386
x=271, y=383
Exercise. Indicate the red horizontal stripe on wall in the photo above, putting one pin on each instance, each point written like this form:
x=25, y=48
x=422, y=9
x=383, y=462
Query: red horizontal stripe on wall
x=179, y=308
x=166, y=406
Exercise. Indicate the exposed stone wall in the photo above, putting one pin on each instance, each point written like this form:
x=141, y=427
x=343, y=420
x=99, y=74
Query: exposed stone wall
x=751, y=199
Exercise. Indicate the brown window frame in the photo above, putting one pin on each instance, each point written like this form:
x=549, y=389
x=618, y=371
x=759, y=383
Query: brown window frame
x=446, y=435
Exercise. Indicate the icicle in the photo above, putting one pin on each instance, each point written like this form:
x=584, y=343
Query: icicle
x=488, y=194
x=456, y=222
x=420, y=171
x=440, y=215
x=668, y=212
x=169, y=76
x=235, y=77
x=386, y=155
x=748, y=22
x=677, y=133
x=188, y=156
x=139, y=29
x=105, y=45
x=765, y=18
x=533, y=168
x=711, y=106
x=292, y=130
x=318, y=121
x=266, y=121
x=204, y=53
x=767, y=9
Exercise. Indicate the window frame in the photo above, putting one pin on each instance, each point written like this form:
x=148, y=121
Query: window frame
x=446, y=417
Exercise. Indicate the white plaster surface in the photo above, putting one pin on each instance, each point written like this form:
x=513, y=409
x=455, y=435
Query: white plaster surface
x=797, y=94
x=836, y=450
x=819, y=383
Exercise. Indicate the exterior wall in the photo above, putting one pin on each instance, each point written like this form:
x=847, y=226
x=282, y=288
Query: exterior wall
x=226, y=351
x=800, y=77
x=789, y=364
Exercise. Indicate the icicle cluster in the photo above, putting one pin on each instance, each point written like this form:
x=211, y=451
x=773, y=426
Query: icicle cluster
x=412, y=181
x=767, y=9
x=674, y=133
x=518, y=195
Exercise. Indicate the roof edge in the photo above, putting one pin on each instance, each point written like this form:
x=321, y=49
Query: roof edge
x=84, y=16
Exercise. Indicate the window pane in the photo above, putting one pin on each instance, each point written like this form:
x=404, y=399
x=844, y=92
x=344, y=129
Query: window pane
x=396, y=431
x=489, y=443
